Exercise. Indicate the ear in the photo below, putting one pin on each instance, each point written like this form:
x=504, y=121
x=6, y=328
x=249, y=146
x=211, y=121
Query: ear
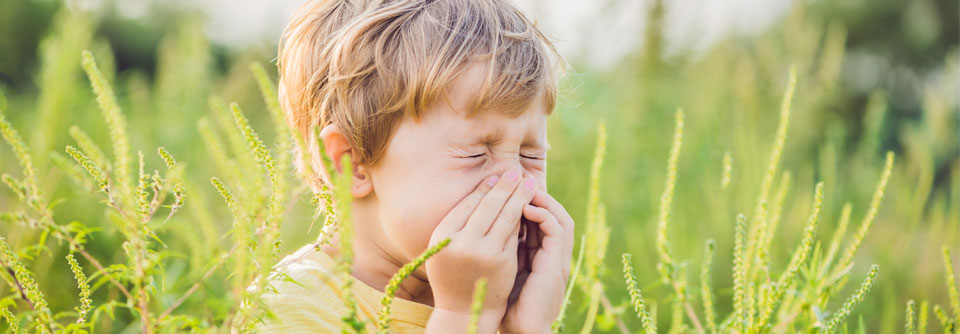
x=336, y=145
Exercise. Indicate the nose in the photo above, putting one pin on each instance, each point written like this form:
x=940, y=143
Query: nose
x=508, y=165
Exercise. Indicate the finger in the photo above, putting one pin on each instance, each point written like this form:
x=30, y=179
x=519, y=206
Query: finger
x=509, y=217
x=457, y=217
x=541, y=235
x=552, y=241
x=515, y=235
x=544, y=200
x=549, y=233
x=511, y=247
x=492, y=203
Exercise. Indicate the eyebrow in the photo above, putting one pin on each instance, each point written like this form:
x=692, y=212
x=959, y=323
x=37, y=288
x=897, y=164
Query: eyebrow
x=496, y=137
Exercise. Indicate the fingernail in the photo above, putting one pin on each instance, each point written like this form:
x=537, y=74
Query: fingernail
x=529, y=184
x=512, y=175
x=492, y=180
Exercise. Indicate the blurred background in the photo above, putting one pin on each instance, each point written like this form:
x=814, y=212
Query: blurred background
x=872, y=76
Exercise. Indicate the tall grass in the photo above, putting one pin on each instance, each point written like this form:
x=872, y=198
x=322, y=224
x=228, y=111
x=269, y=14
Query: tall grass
x=156, y=207
x=757, y=295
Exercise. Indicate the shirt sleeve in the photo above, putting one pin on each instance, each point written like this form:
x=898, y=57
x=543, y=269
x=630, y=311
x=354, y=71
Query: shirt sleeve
x=308, y=304
x=299, y=314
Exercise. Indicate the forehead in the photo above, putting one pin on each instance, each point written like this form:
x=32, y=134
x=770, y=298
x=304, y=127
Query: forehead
x=453, y=113
x=488, y=128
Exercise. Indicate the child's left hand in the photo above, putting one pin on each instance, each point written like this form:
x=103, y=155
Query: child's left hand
x=549, y=242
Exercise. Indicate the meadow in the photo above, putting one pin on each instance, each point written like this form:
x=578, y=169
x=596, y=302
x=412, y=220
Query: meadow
x=740, y=190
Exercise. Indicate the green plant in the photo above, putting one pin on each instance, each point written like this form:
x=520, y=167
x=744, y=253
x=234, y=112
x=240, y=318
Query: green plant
x=79, y=185
x=761, y=301
x=479, y=293
x=391, y=289
x=947, y=323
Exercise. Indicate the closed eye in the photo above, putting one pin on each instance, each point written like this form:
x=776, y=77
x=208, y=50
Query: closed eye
x=524, y=156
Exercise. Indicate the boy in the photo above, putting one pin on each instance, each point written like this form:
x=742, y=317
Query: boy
x=442, y=107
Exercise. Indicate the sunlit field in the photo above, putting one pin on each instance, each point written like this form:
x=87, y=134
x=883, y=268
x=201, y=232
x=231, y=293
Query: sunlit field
x=750, y=188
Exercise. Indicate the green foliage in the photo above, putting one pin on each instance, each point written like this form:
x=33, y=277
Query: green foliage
x=12, y=138
x=851, y=302
x=19, y=277
x=635, y=297
x=12, y=322
x=571, y=283
x=706, y=286
x=871, y=214
x=951, y=285
x=383, y=319
x=949, y=325
x=922, y=318
x=85, y=292
x=727, y=170
x=159, y=262
x=341, y=188
x=756, y=295
x=88, y=145
x=115, y=122
x=666, y=265
x=740, y=276
x=910, y=327
x=98, y=175
x=476, y=307
x=597, y=232
x=178, y=195
x=596, y=235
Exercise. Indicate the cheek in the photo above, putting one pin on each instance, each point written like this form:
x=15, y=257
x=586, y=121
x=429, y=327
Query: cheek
x=537, y=170
x=419, y=211
x=415, y=208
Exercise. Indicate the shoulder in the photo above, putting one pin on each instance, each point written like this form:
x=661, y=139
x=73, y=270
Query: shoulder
x=303, y=294
x=306, y=271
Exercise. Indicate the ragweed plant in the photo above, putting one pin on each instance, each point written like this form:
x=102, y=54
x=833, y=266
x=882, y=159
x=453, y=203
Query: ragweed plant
x=124, y=172
x=20, y=277
x=636, y=298
x=910, y=327
x=133, y=204
x=85, y=301
x=393, y=285
x=762, y=301
x=476, y=307
x=948, y=323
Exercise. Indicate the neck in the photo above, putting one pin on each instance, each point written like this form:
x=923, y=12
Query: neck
x=374, y=262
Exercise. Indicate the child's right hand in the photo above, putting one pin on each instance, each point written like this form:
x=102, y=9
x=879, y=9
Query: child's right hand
x=483, y=230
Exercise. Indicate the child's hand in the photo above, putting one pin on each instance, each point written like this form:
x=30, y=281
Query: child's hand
x=483, y=229
x=550, y=245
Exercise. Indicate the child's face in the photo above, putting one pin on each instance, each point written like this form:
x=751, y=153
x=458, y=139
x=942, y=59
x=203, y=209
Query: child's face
x=427, y=167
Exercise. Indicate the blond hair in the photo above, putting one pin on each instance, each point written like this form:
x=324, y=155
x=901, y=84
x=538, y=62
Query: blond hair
x=365, y=65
